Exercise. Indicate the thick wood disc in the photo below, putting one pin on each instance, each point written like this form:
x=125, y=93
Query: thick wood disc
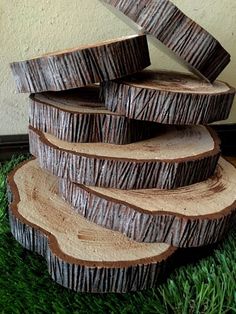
x=169, y=97
x=175, y=33
x=186, y=217
x=82, y=66
x=79, y=116
x=80, y=255
x=178, y=156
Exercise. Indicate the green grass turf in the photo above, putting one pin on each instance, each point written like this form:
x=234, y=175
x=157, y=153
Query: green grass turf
x=208, y=286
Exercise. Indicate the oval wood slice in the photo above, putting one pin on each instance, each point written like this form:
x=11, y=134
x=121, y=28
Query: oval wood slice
x=169, y=97
x=80, y=255
x=175, y=33
x=191, y=216
x=178, y=156
x=79, y=116
x=82, y=66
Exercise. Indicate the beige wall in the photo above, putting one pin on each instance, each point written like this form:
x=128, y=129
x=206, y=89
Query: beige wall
x=30, y=27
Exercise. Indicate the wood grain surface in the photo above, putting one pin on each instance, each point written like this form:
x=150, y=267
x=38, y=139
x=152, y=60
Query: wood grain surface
x=191, y=216
x=177, y=157
x=79, y=116
x=82, y=66
x=187, y=41
x=169, y=97
x=80, y=255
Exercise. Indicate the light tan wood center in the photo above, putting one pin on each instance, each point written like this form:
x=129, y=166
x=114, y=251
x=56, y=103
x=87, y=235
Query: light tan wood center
x=175, y=82
x=76, y=236
x=82, y=100
x=173, y=143
x=88, y=46
x=204, y=198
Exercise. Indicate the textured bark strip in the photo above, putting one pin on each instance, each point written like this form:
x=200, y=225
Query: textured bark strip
x=82, y=66
x=191, y=228
x=79, y=116
x=76, y=274
x=123, y=173
x=170, y=98
x=187, y=40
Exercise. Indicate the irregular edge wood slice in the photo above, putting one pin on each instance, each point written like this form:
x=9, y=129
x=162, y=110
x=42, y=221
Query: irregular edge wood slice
x=166, y=107
x=106, y=172
x=189, y=42
x=142, y=226
x=83, y=66
x=91, y=127
x=93, y=277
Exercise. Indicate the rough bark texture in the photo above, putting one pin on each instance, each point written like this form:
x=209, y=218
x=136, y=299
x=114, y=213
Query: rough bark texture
x=83, y=66
x=122, y=173
x=167, y=100
x=78, y=116
x=76, y=274
x=192, y=44
x=175, y=228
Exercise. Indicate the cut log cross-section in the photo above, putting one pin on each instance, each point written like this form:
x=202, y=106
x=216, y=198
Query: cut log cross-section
x=82, y=66
x=80, y=255
x=178, y=156
x=175, y=33
x=79, y=116
x=187, y=217
x=169, y=97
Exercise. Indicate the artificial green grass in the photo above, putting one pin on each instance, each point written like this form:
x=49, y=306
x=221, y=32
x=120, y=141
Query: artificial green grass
x=209, y=286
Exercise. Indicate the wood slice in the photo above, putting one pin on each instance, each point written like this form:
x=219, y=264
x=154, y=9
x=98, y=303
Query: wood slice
x=178, y=156
x=169, y=97
x=186, y=217
x=175, y=33
x=79, y=116
x=80, y=255
x=82, y=66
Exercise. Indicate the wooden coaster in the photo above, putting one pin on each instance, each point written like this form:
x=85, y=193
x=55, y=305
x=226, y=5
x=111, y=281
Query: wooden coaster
x=186, y=217
x=169, y=97
x=79, y=116
x=175, y=33
x=82, y=66
x=178, y=156
x=80, y=255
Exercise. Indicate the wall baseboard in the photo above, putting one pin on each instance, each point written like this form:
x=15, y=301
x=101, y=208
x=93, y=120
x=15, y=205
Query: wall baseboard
x=227, y=134
x=13, y=145
x=19, y=144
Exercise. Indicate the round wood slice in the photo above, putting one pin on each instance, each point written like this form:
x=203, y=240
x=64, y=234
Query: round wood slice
x=169, y=97
x=178, y=156
x=191, y=216
x=82, y=66
x=79, y=116
x=80, y=255
x=175, y=33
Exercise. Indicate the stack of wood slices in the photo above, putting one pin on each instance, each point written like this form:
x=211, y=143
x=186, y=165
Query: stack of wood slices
x=125, y=168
